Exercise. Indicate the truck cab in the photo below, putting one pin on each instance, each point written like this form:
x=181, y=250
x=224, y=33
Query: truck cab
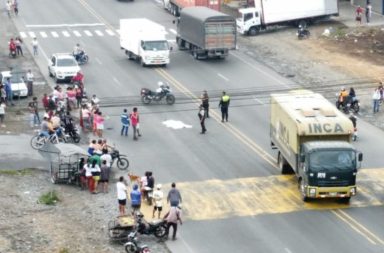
x=249, y=21
x=154, y=52
x=328, y=169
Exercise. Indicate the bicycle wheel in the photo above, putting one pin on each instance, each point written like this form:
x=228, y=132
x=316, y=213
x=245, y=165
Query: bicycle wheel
x=38, y=141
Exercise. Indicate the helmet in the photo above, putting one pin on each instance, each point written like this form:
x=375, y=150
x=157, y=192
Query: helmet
x=78, y=44
x=160, y=83
x=158, y=186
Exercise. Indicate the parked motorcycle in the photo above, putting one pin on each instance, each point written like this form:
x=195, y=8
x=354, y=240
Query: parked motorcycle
x=164, y=91
x=121, y=162
x=82, y=58
x=302, y=33
x=132, y=245
x=156, y=227
x=71, y=131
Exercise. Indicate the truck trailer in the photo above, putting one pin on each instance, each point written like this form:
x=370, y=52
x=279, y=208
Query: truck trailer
x=272, y=13
x=313, y=140
x=144, y=40
x=205, y=32
x=175, y=6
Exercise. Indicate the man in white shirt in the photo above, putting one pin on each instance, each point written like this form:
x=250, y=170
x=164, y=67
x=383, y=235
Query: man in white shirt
x=30, y=82
x=158, y=196
x=121, y=195
x=106, y=157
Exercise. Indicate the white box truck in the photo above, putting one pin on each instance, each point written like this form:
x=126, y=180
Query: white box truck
x=144, y=40
x=268, y=13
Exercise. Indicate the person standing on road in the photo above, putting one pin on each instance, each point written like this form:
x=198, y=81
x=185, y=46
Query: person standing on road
x=172, y=217
x=201, y=115
x=2, y=113
x=104, y=176
x=121, y=195
x=224, y=104
x=205, y=103
x=19, y=50
x=359, y=13
x=174, y=196
x=9, y=92
x=368, y=12
x=36, y=117
x=376, y=100
x=124, y=117
x=134, y=117
x=8, y=7
x=135, y=198
x=158, y=196
x=35, y=46
x=30, y=78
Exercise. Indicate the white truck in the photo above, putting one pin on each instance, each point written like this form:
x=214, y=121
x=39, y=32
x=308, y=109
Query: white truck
x=268, y=13
x=144, y=40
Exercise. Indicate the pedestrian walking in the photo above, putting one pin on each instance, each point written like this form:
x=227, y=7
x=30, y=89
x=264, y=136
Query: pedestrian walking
x=376, y=100
x=172, y=217
x=205, y=103
x=224, y=104
x=135, y=199
x=121, y=195
x=174, y=196
x=158, y=196
x=30, y=79
x=2, y=113
x=3, y=93
x=8, y=7
x=9, y=92
x=36, y=117
x=19, y=50
x=368, y=12
x=35, y=46
x=15, y=6
x=201, y=115
x=359, y=13
x=99, y=124
x=134, y=118
x=124, y=117
x=96, y=171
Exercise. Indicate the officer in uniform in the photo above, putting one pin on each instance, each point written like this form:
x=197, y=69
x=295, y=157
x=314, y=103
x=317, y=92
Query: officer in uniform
x=224, y=104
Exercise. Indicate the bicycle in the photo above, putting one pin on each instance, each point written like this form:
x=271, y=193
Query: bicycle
x=38, y=141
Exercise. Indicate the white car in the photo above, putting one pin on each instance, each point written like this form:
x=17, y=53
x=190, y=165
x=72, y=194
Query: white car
x=62, y=67
x=18, y=86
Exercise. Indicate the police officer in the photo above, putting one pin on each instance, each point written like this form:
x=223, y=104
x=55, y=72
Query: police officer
x=224, y=104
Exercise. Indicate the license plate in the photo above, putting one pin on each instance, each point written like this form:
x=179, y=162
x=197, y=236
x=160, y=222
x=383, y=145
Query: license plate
x=333, y=194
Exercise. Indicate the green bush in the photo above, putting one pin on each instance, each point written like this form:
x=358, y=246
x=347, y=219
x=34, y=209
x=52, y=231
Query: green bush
x=64, y=250
x=49, y=198
x=20, y=172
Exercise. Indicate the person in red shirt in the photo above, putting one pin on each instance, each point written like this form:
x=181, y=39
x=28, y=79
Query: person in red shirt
x=45, y=101
x=359, y=13
x=134, y=117
x=12, y=46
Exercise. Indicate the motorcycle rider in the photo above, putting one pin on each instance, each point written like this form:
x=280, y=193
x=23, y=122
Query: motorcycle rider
x=352, y=94
x=78, y=52
x=46, y=128
x=12, y=47
x=342, y=98
x=68, y=123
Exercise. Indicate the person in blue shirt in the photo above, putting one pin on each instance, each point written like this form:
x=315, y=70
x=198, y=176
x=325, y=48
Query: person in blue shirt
x=124, y=122
x=8, y=91
x=135, y=198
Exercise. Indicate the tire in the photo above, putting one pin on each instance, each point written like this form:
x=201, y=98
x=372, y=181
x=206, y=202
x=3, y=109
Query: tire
x=356, y=108
x=283, y=165
x=195, y=54
x=253, y=31
x=170, y=99
x=49, y=73
x=85, y=59
x=122, y=163
x=161, y=231
x=76, y=138
x=130, y=247
x=142, y=62
x=37, y=142
x=55, y=79
x=302, y=191
x=145, y=100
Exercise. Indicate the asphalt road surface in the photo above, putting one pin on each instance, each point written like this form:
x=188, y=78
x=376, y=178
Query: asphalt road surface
x=235, y=199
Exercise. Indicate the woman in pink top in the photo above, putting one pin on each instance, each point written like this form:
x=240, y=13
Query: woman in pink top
x=71, y=95
x=99, y=125
x=134, y=117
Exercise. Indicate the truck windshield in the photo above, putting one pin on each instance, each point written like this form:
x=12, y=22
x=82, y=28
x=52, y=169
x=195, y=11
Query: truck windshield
x=332, y=160
x=155, y=45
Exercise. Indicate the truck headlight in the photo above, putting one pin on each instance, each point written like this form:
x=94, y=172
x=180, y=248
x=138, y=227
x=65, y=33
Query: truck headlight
x=353, y=190
x=312, y=191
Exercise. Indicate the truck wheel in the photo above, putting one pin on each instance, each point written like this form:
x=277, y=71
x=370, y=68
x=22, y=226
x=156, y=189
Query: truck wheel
x=142, y=62
x=253, y=31
x=302, y=190
x=130, y=55
x=195, y=54
x=283, y=165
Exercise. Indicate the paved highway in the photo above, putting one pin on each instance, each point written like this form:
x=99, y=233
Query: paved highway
x=235, y=199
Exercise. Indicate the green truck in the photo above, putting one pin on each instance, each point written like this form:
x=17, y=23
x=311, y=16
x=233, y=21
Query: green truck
x=313, y=140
